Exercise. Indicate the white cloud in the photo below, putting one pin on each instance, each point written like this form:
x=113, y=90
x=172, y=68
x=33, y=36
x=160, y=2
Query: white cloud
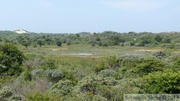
x=136, y=5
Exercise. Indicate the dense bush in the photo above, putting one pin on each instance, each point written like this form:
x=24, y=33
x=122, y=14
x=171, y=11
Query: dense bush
x=91, y=82
x=54, y=75
x=160, y=55
x=99, y=98
x=36, y=73
x=11, y=58
x=148, y=66
x=5, y=93
x=112, y=62
x=162, y=82
x=107, y=72
x=49, y=64
x=17, y=98
x=116, y=93
x=37, y=96
x=141, y=68
x=63, y=87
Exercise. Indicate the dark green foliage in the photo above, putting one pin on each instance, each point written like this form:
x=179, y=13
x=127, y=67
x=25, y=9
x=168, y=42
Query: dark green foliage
x=160, y=55
x=2, y=68
x=158, y=38
x=166, y=40
x=40, y=42
x=27, y=75
x=175, y=63
x=132, y=66
x=162, y=82
x=58, y=43
x=26, y=43
x=11, y=58
x=148, y=66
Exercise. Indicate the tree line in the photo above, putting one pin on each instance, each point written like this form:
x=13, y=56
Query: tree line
x=106, y=38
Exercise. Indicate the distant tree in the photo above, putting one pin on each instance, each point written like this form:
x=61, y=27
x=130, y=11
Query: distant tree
x=48, y=40
x=58, y=43
x=158, y=38
x=77, y=35
x=166, y=40
x=68, y=43
x=20, y=39
x=26, y=43
x=93, y=44
x=40, y=42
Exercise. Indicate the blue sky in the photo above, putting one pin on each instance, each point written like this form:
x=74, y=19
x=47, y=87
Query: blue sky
x=72, y=16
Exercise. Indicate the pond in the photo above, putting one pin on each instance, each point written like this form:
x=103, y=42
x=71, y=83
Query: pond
x=82, y=54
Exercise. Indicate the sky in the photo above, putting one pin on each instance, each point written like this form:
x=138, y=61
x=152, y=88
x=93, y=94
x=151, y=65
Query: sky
x=73, y=16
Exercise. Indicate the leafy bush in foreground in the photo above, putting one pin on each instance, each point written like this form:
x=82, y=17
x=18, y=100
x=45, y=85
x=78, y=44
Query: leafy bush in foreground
x=162, y=82
x=11, y=58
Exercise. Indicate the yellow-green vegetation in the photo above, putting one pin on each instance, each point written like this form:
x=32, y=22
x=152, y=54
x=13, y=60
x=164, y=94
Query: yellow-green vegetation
x=87, y=70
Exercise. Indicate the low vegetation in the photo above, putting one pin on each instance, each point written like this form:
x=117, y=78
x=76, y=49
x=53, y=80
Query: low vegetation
x=88, y=67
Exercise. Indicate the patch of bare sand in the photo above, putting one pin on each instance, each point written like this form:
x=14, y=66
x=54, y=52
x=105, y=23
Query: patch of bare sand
x=148, y=50
x=56, y=49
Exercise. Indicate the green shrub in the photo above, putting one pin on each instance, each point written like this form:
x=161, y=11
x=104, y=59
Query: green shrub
x=176, y=63
x=140, y=68
x=33, y=62
x=116, y=92
x=5, y=93
x=54, y=75
x=107, y=72
x=27, y=75
x=10, y=57
x=17, y=98
x=162, y=82
x=160, y=55
x=37, y=73
x=62, y=87
x=99, y=98
x=37, y=96
x=148, y=66
x=91, y=82
x=88, y=96
x=110, y=63
x=49, y=64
